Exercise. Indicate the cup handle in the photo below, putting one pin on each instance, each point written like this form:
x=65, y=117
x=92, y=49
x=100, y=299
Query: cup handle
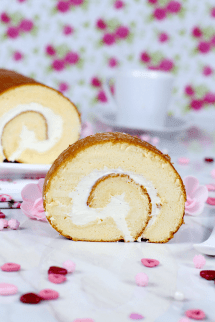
x=110, y=96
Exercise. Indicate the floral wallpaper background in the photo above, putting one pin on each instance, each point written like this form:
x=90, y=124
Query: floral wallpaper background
x=73, y=45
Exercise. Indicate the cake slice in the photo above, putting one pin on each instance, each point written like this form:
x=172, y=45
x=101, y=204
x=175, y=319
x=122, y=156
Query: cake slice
x=36, y=122
x=111, y=187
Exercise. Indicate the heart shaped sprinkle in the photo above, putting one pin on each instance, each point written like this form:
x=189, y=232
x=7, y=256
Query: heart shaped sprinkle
x=141, y=279
x=56, y=278
x=8, y=289
x=149, y=262
x=10, y=267
x=183, y=160
x=208, y=274
x=136, y=316
x=30, y=298
x=195, y=314
x=211, y=201
x=13, y=224
x=199, y=261
x=210, y=186
x=57, y=270
x=2, y=215
x=48, y=294
x=209, y=160
x=69, y=266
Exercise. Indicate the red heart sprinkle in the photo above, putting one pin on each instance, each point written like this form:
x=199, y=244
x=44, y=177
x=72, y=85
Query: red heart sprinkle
x=2, y=215
x=208, y=274
x=148, y=262
x=30, y=298
x=195, y=314
x=57, y=270
x=209, y=160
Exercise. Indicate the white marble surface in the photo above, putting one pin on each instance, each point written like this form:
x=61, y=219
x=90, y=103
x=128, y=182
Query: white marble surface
x=103, y=285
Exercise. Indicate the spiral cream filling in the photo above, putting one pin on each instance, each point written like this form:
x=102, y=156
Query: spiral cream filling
x=28, y=139
x=118, y=209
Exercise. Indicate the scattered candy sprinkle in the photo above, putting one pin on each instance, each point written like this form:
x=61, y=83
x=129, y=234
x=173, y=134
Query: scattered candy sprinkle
x=213, y=173
x=211, y=187
x=57, y=270
x=13, y=224
x=148, y=262
x=211, y=201
x=208, y=274
x=199, y=261
x=48, y=294
x=136, y=316
x=141, y=279
x=30, y=298
x=183, y=160
x=178, y=296
x=2, y=215
x=10, y=267
x=8, y=289
x=195, y=314
x=56, y=278
x=4, y=223
x=69, y=266
x=209, y=160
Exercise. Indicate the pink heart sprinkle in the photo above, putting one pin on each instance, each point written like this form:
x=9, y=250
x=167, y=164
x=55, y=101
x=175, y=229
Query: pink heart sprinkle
x=56, y=278
x=136, y=316
x=211, y=187
x=148, y=262
x=199, y=261
x=195, y=314
x=48, y=294
x=211, y=201
x=142, y=279
x=10, y=267
x=69, y=266
x=8, y=289
x=183, y=160
x=13, y=224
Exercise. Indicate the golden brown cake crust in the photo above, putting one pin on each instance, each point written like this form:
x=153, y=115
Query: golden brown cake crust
x=100, y=138
x=11, y=79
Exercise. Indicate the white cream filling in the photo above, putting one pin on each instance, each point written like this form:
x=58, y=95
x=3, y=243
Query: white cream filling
x=118, y=209
x=28, y=139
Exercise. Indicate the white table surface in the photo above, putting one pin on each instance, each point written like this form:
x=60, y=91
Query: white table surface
x=103, y=285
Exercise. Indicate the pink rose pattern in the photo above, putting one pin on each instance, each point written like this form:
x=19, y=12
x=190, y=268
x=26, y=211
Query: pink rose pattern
x=75, y=55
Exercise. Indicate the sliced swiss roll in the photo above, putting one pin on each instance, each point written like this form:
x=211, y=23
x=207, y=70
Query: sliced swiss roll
x=36, y=122
x=112, y=187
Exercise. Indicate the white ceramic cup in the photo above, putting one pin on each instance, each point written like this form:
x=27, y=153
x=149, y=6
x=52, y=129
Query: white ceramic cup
x=141, y=97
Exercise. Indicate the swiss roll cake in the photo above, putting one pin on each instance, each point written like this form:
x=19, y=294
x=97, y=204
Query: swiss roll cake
x=114, y=187
x=36, y=121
